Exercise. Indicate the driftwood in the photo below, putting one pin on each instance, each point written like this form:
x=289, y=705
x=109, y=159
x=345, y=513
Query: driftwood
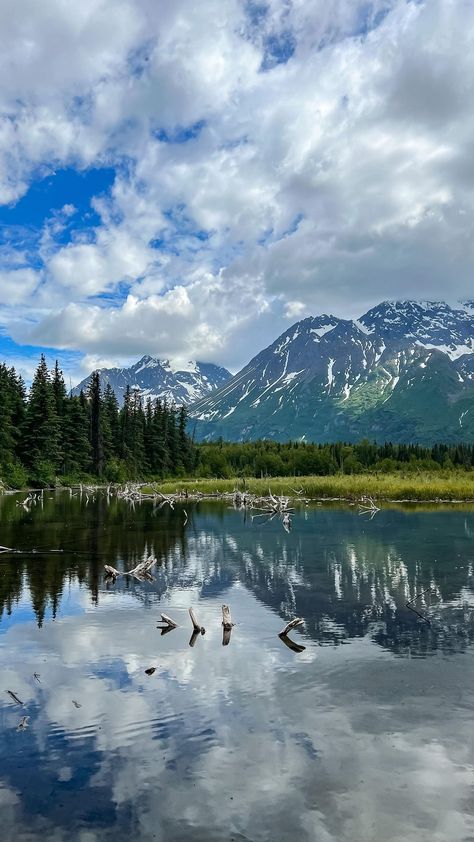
x=368, y=507
x=227, y=625
x=169, y=623
x=141, y=571
x=111, y=572
x=142, y=568
x=226, y=618
x=298, y=621
x=295, y=647
x=197, y=628
x=271, y=506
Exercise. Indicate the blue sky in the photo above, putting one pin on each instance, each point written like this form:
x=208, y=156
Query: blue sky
x=188, y=181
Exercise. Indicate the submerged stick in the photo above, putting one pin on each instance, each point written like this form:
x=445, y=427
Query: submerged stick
x=14, y=697
x=194, y=637
x=226, y=633
x=409, y=605
x=298, y=621
x=295, y=647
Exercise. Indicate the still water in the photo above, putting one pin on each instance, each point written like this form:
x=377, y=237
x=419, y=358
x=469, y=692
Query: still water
x=364, y=736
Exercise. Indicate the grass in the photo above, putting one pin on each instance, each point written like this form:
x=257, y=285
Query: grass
x=421, y=486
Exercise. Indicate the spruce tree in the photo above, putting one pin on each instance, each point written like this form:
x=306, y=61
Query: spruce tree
x=40, y=446
x=110, y=425
x=77, y=448
x=60, y=397
x=96, y=439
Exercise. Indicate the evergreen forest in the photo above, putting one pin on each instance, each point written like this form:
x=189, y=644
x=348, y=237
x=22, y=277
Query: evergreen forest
x=48, y=435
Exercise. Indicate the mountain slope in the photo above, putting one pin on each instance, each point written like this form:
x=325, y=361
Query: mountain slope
x=156, y=378
x=403, y=371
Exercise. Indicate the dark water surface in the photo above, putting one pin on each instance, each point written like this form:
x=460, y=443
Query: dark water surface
x=365, y=736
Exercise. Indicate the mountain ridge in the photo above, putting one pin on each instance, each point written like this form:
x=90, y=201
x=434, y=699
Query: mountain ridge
x=402, y=371
x=161, y=379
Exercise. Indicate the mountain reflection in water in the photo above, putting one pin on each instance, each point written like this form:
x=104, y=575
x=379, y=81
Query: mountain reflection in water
x=359, y=736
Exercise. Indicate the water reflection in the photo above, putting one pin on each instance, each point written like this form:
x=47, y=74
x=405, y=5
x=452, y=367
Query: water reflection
x=250, y=740
x=343, y=575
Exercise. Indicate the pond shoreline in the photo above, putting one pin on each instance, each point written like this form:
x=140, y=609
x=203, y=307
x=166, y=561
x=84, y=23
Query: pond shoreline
x=356, y=488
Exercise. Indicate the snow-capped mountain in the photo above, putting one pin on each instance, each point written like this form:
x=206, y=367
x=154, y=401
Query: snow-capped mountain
x=432, y=324
x=156, y=378
x=403, y=371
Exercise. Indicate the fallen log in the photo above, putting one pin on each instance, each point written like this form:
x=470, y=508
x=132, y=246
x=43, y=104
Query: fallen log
x=196, y=626
x=298, y=621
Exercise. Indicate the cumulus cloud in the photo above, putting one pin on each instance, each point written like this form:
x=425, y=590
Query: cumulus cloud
x=271, y=161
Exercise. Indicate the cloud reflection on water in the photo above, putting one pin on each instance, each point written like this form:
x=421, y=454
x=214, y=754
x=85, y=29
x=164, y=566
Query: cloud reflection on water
x=250, y=741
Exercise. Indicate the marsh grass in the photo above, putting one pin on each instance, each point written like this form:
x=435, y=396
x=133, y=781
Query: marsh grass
x=421, y=486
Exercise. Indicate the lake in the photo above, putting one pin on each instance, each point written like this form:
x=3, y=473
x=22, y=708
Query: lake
x=365, y=735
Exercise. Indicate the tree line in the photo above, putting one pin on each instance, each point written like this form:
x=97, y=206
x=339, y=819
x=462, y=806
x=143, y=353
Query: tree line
x=48, y=433
x=275, y=459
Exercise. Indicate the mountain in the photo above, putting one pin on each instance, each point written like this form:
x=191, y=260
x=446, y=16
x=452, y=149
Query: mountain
x=161, y=379
x=404, y=371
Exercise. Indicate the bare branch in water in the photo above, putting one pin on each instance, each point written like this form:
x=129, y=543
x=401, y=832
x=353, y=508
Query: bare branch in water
x=298, y=621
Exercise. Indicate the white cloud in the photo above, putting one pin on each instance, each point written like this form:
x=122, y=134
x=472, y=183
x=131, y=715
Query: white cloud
x=328, y=182
x=17, y=285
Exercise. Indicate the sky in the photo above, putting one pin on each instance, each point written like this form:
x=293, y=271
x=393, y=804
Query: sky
x=188, y=179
